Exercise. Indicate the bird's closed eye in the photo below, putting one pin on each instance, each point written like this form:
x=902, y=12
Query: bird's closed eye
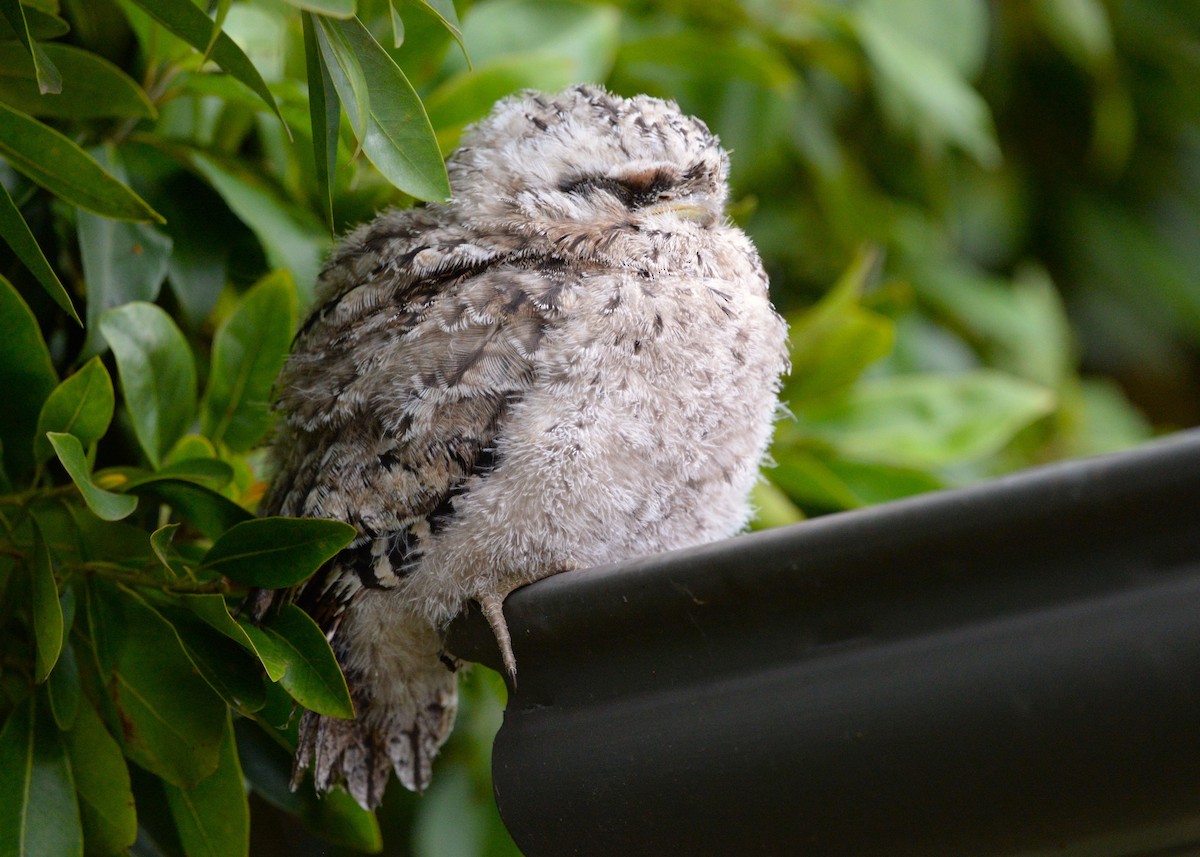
x=633, y=191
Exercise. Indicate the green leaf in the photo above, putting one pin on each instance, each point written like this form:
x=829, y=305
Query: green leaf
x=588, y=35
x=102, y=540
x=953, y=31
x=260, y=31
x=160, y=543
x=927, y=421
x=63, y=688
x=209, y=472
x=82, y=405
x=344, y=68
x=61, y=167
x=16, y=760
x=1020, y=327
x=122, y=262
x=62, y=536
x=154, y=42
x=15, y=232
x=338, y=818
x=185, y=20
x=106, y=504
x=158, y=376
x=156, y=836
x=397, y=24
x=452, y=819
x=859, y=339
x=171, y=722
x=202, y=235
x=445, y=12
x=273, y=553
x=47, y=612
x=49, y=80
x=42, y=25
x=248, y=351
x=923, y=92
x=96, y=24
x=806, y=479
x=202, y=507
x=290, y=640
x=289, y=237
x=93, y=87
x=213, y=816
x=224, y=663
x=213, y=610
x=881, y=483
x=1107, y=421
x=808, y=328
x=195, y=447
x=268, y=767
x=223, y=7
x=102, y=785
x=231, y=671
x=38, y=813
x=332, y=8
x=398, y=139
x=26, y=375
x=833, y=342
x=821, y=480
x=772, y=507
x=324, y=116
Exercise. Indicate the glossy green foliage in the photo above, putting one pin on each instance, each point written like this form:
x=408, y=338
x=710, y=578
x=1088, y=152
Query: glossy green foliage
x=133, y=652
x=275, y=553
x=980, y=220
x=247, y=353
x=81, y=405
x=158, y=375
x=27, y=375
x=38, y=811
x=52, y=160
x=94, y=86
x=213, y=816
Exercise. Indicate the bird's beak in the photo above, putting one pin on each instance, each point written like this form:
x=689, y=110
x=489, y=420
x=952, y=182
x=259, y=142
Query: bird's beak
x=693, y=208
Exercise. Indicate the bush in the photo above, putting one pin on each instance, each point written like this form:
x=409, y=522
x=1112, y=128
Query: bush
x=960, y=204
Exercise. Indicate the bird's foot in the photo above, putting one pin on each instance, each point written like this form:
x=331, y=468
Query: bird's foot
x=493, y=609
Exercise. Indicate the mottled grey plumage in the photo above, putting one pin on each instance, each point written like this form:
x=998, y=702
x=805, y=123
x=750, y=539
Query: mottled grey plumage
x=574, y=361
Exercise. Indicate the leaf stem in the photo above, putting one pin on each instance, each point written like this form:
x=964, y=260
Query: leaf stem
x=135, y=577
x=23, y=498
x=132, y=576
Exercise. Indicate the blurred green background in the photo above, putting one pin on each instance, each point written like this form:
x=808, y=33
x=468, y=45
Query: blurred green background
x=982, y=220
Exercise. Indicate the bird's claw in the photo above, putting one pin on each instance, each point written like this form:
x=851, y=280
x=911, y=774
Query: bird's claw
x=493, y=608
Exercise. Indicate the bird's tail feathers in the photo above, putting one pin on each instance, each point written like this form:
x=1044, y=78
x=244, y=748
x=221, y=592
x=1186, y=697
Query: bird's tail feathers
x=402, y=733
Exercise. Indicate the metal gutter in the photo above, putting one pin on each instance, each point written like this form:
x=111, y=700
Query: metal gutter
x=1007, y=669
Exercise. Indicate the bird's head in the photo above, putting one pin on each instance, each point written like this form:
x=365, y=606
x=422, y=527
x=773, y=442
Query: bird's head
x=584, y=164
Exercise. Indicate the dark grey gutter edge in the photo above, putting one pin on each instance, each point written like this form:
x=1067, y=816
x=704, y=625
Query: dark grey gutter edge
x=1005, y=669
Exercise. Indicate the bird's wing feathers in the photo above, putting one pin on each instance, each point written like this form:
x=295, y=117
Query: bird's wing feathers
x=396, y=389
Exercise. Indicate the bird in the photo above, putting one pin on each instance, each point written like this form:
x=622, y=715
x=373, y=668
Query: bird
x=572, y=361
